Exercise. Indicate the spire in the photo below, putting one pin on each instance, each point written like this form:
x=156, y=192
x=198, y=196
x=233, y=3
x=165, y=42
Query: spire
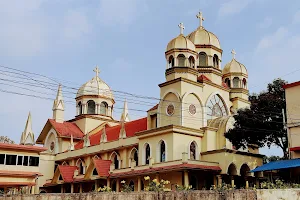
x=58, y=106
x=103, y=137
x=201, y=18
x=122, y=133
x=27, y=137
x=233, y=53
x=181, y=28
x=72, y=147
x=125, y=115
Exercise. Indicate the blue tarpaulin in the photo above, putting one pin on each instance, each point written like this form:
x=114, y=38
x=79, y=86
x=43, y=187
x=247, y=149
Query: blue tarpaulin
x=281, y=164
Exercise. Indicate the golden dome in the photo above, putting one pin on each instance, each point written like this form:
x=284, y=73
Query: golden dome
x=234, y=67
x=203, y=37
x=181, y=42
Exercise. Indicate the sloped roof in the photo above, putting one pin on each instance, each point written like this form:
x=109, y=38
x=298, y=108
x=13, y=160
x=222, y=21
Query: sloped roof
x=67, y=172
x=67, y=129
x=276, y=165
x=19, y=173
x=153, y=108
x=113, y=132
x=22, y=147
x=202, y=78
x=102, y=167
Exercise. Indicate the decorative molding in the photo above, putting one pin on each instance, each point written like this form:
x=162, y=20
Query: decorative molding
x=180, y=80
x=209, y=46
x=181, y=70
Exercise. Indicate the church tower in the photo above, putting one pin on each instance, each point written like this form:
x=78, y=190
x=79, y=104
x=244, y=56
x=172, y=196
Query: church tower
x=235, y=76
x=27, y=137
x=58, y=107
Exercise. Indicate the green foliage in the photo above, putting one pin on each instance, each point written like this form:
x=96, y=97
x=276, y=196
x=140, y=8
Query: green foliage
x=126, y=188
x=279, y=184
x=155, y=185
x=267, y=159
x=221, y=188
x=104, y=189
x=262, y=123
x=183, y=188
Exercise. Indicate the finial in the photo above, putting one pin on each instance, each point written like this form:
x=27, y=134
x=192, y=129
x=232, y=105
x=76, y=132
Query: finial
x=233, y=53
x=97, y=71
x=200, y=17
x=181, y=28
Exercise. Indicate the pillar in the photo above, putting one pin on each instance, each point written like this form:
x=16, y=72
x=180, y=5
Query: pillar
x=157, y=177
x=80, y=188
x=232, y=181
x=247, y=184
x=186, y=182
x=117, y=185
x=61, y=189
x=257, y=182
x=108, y=182
x=32, y=190
x=72, y=187
x=139, y=184
x=215, y=181
x=96, y=186
x=219, y=180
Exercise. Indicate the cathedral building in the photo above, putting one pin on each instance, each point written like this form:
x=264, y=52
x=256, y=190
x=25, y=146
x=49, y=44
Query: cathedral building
x=181, y=139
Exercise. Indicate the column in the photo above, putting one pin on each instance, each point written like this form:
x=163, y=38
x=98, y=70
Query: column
x=96, y=185
x=157, y=177
x=139, y=184
x=108, y=182
x=186, y=182
x=80, y=188
x=219, y=180
x=215, y=181
x=32, y=190
x=257, y=183
x=232, y=181
x=117, y=185
x=61, y=189
x=247, y=184
x=72, y=187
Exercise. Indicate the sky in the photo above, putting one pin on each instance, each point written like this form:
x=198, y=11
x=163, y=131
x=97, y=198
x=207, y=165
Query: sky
x=127, y=40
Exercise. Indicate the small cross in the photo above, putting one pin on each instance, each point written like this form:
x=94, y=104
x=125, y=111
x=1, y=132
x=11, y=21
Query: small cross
x=97, y=71
x=233, y=53
x=181, y=28
x=200, y=17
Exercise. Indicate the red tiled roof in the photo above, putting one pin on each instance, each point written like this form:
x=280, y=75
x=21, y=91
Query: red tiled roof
x=166, y=168
x=16, y=184
x=224, y=85
x=113, y=132
x=102, y=167
x=153, y=108
x=291, y=85
x=67, y=172
x=67, y=129
x=295, y=149
x=22, y=147
x=19, y=173
x=202, y=78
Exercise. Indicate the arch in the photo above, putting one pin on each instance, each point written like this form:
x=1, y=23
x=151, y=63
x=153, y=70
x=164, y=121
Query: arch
x=103, y=108
x=181, y=60
x=134, y=156
x=202, y=59
x=146, y=154
x=231, y=170
x=161, y=151
x=193, y=151
x=95, y=173
x=97, y=157
x=79, y=107
x=91, y=107
x=215, y=106
x=236, y=82
x=131, y=185
x=244, y=170
x=171, y=62
x=65, y=163
x=191, y=62
x=244, y=83
x=116, y=160
x=227, y=81
x=81, y=166
x=216, y=61
x=51, y=137
x=172, y=91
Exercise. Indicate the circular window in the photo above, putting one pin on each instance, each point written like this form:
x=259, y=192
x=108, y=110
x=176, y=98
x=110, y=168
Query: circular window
x=170, y=109
x=52, y=146
x=192, y=109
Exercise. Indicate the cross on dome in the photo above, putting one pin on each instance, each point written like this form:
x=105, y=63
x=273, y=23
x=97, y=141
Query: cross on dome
x=200, y=17
x=97, y=71
x=233, y=53
x=181, y=28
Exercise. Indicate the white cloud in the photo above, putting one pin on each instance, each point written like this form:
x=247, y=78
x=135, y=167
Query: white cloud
x=76, y=25
x=297, y=17
x=124, y=12
x=271, y=40
x=266, y=23
x=233, y=7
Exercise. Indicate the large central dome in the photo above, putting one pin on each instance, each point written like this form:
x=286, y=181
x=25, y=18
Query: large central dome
x=95, y=86
x=203, y=37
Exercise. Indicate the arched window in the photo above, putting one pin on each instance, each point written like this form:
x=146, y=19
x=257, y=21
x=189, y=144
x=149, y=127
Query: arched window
x=227, y=81
x=244, y=83
x=202, y=59
x=236, y=82
x=103, y=108
x=216, y=61
x=193, y=151
x=136, y=158
x=95, y=173
x=116, y=162
x=147, y=154
x=181, y=60
x=191, y=62
x=81, y=167
x=162, y=153
x=79, y=105
x=91, y=107
x=171, y=61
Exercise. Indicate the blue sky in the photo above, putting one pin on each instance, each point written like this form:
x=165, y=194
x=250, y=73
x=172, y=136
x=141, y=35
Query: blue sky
x=127, y=40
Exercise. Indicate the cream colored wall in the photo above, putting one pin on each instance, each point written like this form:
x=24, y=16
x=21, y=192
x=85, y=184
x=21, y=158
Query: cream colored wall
x=46, y=168
x=88, y=124
x=189, y=76
x=295, y=136
x=293, y=104
x=164, y=118
x=189, y=120
x=210, y=53
x=209, y=141
x=181, y=144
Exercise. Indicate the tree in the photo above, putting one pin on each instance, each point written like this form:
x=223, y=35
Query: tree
x=267, y=159
x=262, y=123
x=5, y=139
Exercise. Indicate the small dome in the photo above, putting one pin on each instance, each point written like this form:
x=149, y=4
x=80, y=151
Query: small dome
x=181, y=42
x=203, y=37
x=95, y=87
x=234, y=67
